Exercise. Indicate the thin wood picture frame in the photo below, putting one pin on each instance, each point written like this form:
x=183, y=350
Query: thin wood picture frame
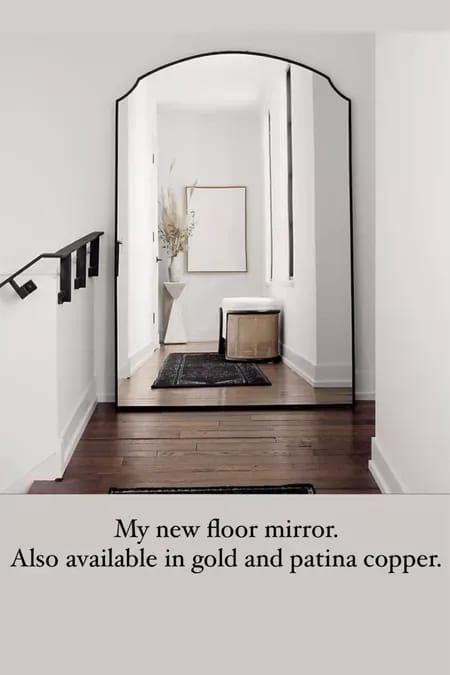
x=190, y=191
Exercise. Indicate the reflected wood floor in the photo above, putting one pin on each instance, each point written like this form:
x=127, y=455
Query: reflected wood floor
x=329, y=448
x=287, y=387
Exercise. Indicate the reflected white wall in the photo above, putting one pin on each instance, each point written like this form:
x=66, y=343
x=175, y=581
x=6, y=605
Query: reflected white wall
x=301, y=330
x=123, y=368
x=332, y=217
x=218, y=147
x=138, y=217
x=220, y=144
x=275, y=103
x=317, y=301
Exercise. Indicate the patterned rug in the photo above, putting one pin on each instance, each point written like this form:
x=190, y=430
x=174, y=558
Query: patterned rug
x=207, y=370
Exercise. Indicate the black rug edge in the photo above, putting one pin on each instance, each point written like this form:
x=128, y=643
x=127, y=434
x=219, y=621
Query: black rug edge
x=290, y=488
x=208, y=386
x=156, y=385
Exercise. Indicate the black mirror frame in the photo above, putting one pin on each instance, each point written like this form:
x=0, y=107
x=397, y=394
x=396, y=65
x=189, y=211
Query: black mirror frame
x=117, y=243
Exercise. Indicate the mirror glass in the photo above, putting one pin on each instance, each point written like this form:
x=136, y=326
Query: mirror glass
x=218, y=241
x=234, y=237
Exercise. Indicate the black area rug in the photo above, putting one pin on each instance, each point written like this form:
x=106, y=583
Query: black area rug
x=207, y=370
x=291, y=489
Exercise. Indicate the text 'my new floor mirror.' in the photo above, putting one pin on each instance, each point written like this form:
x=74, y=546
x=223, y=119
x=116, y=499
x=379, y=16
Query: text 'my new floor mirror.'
x=234, y=280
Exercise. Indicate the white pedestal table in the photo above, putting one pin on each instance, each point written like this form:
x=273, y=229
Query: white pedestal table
x=176, y=330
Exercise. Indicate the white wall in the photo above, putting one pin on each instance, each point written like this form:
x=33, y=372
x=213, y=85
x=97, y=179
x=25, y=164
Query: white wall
x=28, y=405
x=275, y=101
x=411, y=452
x=317, y=339
x=57, y=139
x=76, y=387
x=298, y=296
x=302, y=328
x=215, y=147
x=47, y=375
x=142, y=225
x=140, y=222
x=332, y=234
x=123, y=352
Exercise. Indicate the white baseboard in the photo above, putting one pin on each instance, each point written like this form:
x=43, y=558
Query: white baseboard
x=323, y=375
x=75, y=427
x=136, y=360
x=365, y=395
x=365, y=384
x=107, y=397
x=46, y=470
x=298, y=364
x=53, y=466
x=192, y=338
x=383, y=473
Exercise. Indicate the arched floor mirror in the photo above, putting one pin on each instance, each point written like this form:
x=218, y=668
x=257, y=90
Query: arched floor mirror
x=234, y=280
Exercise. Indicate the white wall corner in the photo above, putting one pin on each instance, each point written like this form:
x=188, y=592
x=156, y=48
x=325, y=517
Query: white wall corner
x=136, y=360
x=106, y=397
x=383, y=473
x=365, y=395
x=75, y=427
x=46, y=470
x=325, y=375
x=207, y=338
x=106, y=389
x=333, y=375
x=365, y=384
x=298, y=364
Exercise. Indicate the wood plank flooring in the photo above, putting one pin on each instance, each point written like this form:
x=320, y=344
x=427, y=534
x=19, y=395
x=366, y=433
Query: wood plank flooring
x=327, y=447
x=287, y=387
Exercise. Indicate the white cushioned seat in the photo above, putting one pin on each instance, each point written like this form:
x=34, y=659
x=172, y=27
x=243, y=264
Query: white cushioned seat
x=247, y=304
x=257, y=304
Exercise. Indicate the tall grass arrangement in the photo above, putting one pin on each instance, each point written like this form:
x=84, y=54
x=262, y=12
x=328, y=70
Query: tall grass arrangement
x=175, y=225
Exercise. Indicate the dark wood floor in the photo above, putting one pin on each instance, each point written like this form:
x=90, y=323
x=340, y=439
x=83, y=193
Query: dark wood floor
x=327, y=447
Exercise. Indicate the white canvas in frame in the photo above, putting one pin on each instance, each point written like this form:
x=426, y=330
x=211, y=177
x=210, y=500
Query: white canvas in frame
x=218, y=243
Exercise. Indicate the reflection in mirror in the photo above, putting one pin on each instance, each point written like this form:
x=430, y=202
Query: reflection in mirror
x=234, y=217
x=218, y=243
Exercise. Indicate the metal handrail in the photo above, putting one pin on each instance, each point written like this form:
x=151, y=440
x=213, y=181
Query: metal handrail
x=65, y=256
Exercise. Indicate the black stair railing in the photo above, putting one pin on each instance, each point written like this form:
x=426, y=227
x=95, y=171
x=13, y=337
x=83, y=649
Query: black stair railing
x=65, y=273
